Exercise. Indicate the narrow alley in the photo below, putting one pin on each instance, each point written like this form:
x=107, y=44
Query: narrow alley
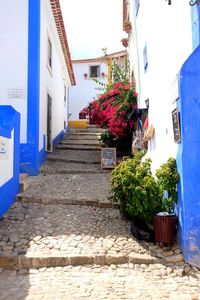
x=64, y=239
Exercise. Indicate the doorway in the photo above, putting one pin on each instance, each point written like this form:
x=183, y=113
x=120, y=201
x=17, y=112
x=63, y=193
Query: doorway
x=49, y=123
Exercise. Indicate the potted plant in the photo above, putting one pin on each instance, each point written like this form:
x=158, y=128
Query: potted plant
x=165, y=222
x=85, y=75
x=127, y=26
x=124, y=42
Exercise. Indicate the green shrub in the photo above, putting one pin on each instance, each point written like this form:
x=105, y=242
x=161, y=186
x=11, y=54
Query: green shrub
x=106, y=138
x=135, y=188
x=167, y=178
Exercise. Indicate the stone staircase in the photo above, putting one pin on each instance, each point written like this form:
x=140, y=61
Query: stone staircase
x=77, y=154
x=65, y=218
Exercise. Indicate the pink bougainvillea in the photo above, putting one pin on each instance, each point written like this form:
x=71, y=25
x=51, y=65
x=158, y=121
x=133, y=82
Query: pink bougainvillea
x=113, y=109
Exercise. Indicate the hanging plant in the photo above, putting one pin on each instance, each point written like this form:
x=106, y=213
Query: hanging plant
x=125, y=42
x=127, y=26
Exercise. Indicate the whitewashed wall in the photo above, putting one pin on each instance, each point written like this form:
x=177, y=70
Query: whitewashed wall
x=166, y=30
x=7, y=159
x=86, y=89
x=51, y=83
x=14, y=58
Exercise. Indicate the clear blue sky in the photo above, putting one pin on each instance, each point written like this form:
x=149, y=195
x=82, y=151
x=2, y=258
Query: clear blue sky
x=92, y=25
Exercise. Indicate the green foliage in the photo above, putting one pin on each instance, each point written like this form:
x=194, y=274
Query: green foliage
x=167, y=178
x=135, y=188
x=106, y=138
x=121, y=73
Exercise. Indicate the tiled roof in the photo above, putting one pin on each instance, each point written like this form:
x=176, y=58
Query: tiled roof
x=101, y=58
x=55, y=4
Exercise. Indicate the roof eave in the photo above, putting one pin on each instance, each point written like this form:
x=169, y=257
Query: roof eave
x=55, y=4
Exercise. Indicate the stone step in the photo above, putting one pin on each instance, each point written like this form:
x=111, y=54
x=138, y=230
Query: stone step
x=37, y=235
x=25, y=182
x=89, y=130
x=24, y=261
x=57, y=167
x=91, y=134
x=64, y=200
x=75, y=156
x=83, y=137
x=79, y=147
x=92, y=126
x=23, y=176
x=68, y=160
x=80, y=142
x=77, y=189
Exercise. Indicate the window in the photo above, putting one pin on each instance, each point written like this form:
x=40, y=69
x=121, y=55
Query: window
x=145, y=58
x=137, y=5
x=94, y=71
x=49, y=54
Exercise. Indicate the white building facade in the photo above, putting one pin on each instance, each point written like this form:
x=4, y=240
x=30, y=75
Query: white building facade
x=164, y=50
x=86, y=89
x=159, y=43
x=36, y=71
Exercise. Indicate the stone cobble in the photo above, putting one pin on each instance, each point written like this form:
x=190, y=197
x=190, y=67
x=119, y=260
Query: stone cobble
x=95, y=282
x=55, y=230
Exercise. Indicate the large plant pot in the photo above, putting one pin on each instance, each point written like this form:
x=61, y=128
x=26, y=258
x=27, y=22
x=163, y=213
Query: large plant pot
x=165, y=229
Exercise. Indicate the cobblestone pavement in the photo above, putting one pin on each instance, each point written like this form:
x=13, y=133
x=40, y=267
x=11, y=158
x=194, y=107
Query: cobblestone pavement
x=70, y=188
x=61, y=251
x=52, y=230
x=95, y=282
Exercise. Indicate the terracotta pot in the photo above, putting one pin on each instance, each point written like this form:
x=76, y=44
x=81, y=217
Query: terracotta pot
x=125, y=43
x=127, y=28
x=165, y=228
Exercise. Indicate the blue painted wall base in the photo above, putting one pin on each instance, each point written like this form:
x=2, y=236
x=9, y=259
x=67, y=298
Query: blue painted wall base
x=188, y=160
x=58, y=138
x=29, y=153
x=9, y=120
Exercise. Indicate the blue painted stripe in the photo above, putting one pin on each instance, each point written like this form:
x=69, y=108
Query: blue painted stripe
x=7, y=195
x=29, y=153
x=5, y=133
x=67, y=129
x=58, y=138
x=43, y=153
